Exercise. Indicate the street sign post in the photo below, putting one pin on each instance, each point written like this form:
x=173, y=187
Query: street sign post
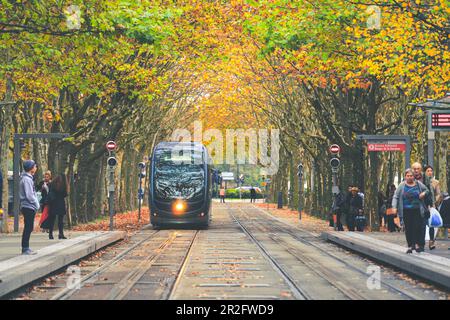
x=378, y=143
x=111, y=146
x=112, y=164
x=335, y=163
x=141, y=175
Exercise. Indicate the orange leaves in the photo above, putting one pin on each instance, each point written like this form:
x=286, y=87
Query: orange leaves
x=127, y=221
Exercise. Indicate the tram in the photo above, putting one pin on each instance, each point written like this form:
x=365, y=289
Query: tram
x=180, y=189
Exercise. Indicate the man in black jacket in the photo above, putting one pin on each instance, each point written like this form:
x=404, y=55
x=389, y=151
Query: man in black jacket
x=356, y=207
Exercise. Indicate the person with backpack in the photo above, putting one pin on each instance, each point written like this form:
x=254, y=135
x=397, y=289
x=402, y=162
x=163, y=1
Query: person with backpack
x=57, y=205
x=29, y=203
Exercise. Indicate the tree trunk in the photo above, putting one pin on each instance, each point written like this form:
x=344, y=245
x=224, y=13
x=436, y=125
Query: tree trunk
x=4, y=148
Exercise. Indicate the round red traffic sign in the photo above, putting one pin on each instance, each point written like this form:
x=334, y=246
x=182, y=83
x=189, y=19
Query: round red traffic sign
x=334, y=148
x=111, y=145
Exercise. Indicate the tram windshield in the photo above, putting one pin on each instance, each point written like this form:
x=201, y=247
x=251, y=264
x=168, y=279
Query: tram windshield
x=179, y=175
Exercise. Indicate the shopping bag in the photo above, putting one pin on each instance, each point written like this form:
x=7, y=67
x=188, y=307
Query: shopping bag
x=427, y=233
x=435, y=219
x=44, y=216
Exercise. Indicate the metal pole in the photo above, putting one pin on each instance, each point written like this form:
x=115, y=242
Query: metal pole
x=334, y=179
x=431, y=138
x=111, y=199
x=16, y=175
x=140, y=198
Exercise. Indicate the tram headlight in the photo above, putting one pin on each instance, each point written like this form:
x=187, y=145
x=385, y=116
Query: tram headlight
x=179, y=206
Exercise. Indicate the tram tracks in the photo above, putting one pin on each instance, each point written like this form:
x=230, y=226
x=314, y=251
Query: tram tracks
x=288, y=229
x=154, y=258
x=272, y=229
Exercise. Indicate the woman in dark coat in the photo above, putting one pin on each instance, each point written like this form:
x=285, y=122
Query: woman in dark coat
x=57, y=204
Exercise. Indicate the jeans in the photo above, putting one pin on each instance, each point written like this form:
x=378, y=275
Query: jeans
x=28, y=215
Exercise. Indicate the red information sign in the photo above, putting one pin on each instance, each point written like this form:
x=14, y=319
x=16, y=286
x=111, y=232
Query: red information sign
x=440, y=120
x=386, y=146
x=111, y=145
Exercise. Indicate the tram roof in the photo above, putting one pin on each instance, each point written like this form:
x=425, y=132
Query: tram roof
x=171, y=144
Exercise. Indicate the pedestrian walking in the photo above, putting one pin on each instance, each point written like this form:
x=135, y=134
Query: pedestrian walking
x=222, y=195
x=408, y=202
x=436, y=198
x=43, y=187
x=57, y=205
x=355, y=208
x=252, y=195
x=29, y=203
x=391, y=213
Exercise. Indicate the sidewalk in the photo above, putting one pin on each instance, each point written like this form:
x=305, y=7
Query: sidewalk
x=17, y=270
x=390, y=248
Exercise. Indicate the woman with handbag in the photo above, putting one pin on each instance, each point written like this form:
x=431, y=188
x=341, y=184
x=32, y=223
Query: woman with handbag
x=408, y=203
x=43, y=187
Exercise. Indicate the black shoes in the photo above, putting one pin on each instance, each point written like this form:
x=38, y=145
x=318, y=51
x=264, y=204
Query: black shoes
x=50, y=236
x=432, y=245
x=409, y=250
x=62, y=237
x=420, y=249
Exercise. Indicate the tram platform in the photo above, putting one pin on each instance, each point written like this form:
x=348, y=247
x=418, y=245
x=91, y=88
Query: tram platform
x=17, y=270
x=390, y=248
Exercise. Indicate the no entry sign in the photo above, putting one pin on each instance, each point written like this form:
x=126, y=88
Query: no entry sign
x=335, y=149
x=111, y=145
x=377, y=146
